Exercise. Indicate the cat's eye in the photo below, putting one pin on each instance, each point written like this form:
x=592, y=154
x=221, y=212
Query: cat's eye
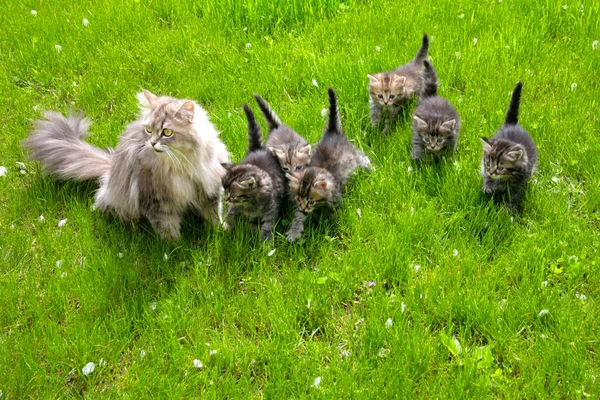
x=499, y=168
x=167, y=132
x=426, y=139
x=380, y=96
x=440, y=140
x=285, y=169
x=392, y=96
x=298, y=168
x=148, y=129
x=311, y=202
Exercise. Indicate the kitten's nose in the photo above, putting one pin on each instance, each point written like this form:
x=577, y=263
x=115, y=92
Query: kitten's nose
x=385, y=101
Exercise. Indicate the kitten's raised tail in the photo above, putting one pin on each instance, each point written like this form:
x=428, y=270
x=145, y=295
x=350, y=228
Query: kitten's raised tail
x=334, y=125
x=422, y=53
x=254, y=134
x=431, y=81
x=57, y=142
x=512, y=115
x=272, y=119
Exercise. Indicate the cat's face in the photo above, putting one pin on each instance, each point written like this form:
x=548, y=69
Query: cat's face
x=386, y=89
x=292, y=158
x=501, y=160
x=241, y=184
x=167, y=124
x=435, y=136
x=311, y=189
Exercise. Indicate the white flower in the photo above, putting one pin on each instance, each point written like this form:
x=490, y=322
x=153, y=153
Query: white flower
x=3, y=171
x=474, y=41
x=455, y=252
x=410, y=169
x=457, y=54
x=33, y=12
x=308, y=303
x=383, y=352
x=58, y=264
x=564, y=7
x=88, y=368
x=573, y=86
x=102, y=362
x=41, y=218
x=377, y=48
x=58, y=47
x=165, y=256
x=345, y=353
x=543, y=312
x=323, y=112
x=416, y=267
x=545, y=283
x=581, y=296
x=62, y=223
x=198, y=364
x=120, y=255
x=314, y=82
x=63, y=275
x=153, y=305
x=248, y=45
x=389, y=323
x=85, y=22
x=317, y=382
x=212, y=352
x=271, y=252
x=359, y=212
x=461, y=16
x=594, y=45
x=245, y=29
x=142, y=354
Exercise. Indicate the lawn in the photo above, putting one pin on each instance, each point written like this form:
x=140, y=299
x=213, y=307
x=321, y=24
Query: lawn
x=417, y=287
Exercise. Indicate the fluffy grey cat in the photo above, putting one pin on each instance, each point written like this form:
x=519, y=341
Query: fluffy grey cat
x=166, y=161
x=389, y=91
x=509, y=158
x=436, y=123
x=256, y=187
x=334, y=160
x=291, y=149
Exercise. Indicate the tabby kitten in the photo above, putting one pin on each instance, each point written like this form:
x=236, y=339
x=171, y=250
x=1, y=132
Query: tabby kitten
x=167, y=161
x=291, y=150
x=436, y=123
x=256, y=187
x=389, y=91
x=509, y=158
x=334, y=160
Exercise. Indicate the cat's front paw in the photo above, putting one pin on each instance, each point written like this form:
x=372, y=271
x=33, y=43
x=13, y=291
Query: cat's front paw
x=292, y=236
x=487, y=189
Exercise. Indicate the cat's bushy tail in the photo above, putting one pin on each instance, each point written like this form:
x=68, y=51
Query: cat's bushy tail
x=431, y=81
x=334, y=125
x=272, y=119
x=57, y=142
x=512, y=114
x=422, y=53
x=254, y=134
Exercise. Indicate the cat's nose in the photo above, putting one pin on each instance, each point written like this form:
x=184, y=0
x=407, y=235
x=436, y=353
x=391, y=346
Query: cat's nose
x=385, y=101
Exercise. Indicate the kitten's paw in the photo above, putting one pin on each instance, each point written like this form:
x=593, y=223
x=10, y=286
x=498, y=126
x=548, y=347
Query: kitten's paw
x=169, y=234
x=292, y=236
x=226, y=226
x=488, y=190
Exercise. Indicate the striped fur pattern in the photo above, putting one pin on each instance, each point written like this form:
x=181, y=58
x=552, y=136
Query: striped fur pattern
x=166, y=161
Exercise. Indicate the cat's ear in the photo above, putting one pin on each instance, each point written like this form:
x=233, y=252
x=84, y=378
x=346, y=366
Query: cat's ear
x=421, y=125
x=487, y=144
x=152, y=99
x=186, y=111
x=373, y=78
x=399, y=79
x=321, y=184
x=515, y=155
x=248, y=183
x=304, y=150
x=227, y=166
x=448, y=126
x=277, y=152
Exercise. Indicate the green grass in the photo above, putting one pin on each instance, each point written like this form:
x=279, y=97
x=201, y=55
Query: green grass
x=99, y=289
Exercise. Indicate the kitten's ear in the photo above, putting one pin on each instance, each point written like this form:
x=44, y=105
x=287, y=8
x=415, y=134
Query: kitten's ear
x=399, y=79
x=373, y=78
x=448, y=126
x=227, y=166
x=321, y=184
x=186, y=111
x=248, y=183
x=277, y=152
x=152, y=99
x=304, y=149
x=487, y=144
x=515, y=155
x=421, y=125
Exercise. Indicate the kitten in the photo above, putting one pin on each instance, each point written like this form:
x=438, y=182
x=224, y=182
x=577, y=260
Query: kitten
x=334, y=160
x=509, y=158
x=291, y=150
x=436, y=123
x=256, y=187
x=167, y=161
x=389, y=91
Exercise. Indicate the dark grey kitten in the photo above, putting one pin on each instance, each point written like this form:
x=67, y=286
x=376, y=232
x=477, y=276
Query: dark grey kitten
x=509, y=158
x=436, y=123
x=291, y=150
x=334, y=160
x=389, y=91
x=256, y=187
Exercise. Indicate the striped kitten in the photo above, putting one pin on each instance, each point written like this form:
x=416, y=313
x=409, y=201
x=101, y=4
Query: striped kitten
x=291, y=150
x=509, y=158
x=334, y=160
x=167, y=161
x=436, y=123
x=389, y=91
x=256, y=187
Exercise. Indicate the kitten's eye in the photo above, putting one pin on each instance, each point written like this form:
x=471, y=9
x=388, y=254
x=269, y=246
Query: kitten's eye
x=440, y=140
x=380, y=96
x=392, y=96
x=148, y=129
x=167, y=132
x=285, y=169
x=426, y=139
x=499, y=168
x=311, y=202
x=298, y=168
